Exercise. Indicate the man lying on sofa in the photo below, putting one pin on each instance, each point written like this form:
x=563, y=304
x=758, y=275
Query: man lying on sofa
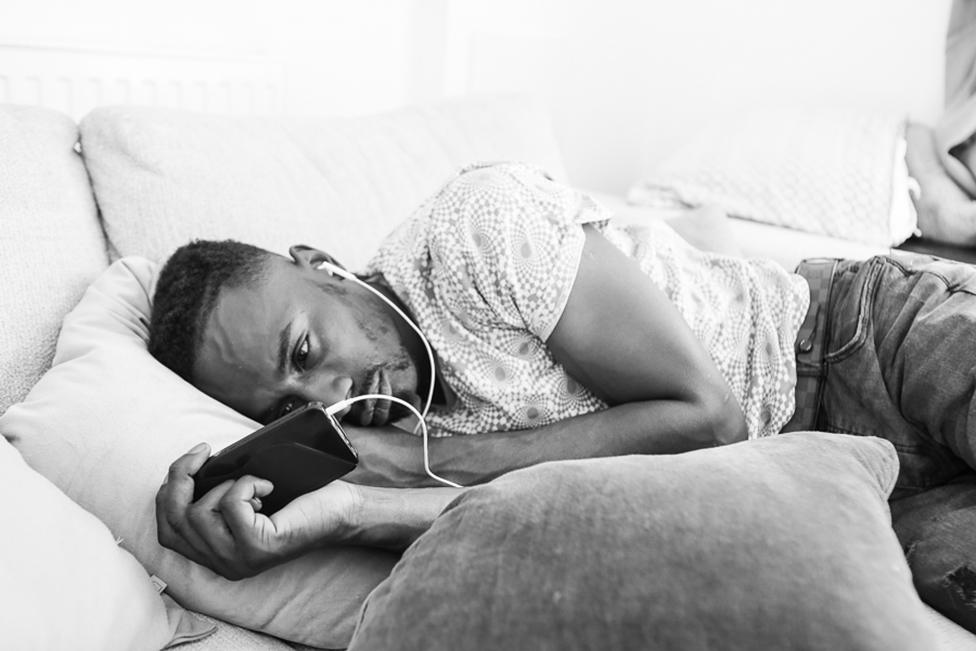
x=557, y=336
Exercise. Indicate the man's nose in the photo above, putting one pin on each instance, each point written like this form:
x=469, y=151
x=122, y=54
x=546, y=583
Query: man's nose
x=327, y=388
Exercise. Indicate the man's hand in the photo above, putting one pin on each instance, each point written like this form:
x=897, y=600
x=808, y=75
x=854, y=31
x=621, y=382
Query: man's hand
x=224, y=531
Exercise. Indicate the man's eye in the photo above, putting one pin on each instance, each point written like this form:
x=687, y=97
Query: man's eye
x=301, y=353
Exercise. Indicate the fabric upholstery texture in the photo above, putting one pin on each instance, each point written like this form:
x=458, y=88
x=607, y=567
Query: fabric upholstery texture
x=829, y=172
x=228, y=637
x=64, y=583
x=778, y=543
x=105, y=423
x=165, y=177
x=51, y=246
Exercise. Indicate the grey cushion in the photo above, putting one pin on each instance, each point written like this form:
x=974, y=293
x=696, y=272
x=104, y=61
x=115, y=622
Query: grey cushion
x=781, y=543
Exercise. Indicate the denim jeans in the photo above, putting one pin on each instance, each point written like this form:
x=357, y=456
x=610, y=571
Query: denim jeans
x=897, y=360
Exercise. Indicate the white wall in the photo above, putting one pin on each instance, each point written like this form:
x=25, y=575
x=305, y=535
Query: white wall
x=625, y=80
x=628, y=80
x=330, y=57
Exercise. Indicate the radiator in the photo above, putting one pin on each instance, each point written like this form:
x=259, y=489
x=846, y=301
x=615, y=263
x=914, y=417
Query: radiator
x=74, y=80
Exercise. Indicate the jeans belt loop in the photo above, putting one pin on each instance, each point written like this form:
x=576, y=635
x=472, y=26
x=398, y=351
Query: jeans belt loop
x=811, y=342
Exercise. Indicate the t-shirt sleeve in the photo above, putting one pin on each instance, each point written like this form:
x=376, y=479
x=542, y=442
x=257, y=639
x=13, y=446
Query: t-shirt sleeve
x=507, y=241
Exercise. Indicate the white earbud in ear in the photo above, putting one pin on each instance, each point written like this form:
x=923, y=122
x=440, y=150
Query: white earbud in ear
x=336, y=270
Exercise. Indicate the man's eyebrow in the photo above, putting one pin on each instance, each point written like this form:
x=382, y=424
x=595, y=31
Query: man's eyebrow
x=284, y=343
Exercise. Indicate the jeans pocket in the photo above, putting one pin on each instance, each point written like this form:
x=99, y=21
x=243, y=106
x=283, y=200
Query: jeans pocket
x=852, y=295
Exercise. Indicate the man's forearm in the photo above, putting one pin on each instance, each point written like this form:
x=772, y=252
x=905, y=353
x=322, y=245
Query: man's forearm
x=395, y=517
x=656, y=427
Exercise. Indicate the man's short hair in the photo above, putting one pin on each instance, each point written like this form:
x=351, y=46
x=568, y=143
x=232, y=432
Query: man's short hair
x=187, y=291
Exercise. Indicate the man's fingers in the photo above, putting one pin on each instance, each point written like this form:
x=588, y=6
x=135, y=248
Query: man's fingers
x=190, y=462
x=179, y=522
x=369, y=405
x=237, y=505
x=381, y=408
x=175, y=531
x=179, y=478
x=207, y=524
x=222, y=530
x=205, y=512
x=210, y=501
x=176, y=493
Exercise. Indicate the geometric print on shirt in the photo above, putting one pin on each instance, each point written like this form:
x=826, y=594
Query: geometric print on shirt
x=486, y=267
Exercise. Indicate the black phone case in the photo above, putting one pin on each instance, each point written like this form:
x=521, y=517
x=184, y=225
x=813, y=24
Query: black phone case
x=300, y=452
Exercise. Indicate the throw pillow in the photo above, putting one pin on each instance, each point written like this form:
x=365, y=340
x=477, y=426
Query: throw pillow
x=64, y=582
x=779, y=543
x=105, y=423
x=830, y=172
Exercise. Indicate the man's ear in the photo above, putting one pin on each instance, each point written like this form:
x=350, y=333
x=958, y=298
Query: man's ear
x=307, y=256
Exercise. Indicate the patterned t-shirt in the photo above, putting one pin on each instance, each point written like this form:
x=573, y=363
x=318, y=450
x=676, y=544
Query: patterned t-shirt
x=486, y=267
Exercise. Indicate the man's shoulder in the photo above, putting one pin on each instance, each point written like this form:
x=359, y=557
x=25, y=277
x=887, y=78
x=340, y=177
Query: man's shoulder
x=501, y=169
x=472, y=216
x=490, y=177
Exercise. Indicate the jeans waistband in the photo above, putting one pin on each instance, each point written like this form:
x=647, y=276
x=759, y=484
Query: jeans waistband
x=811, y=342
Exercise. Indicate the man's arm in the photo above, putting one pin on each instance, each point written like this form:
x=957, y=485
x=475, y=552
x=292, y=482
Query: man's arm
x=224, y=531
x=619, y=336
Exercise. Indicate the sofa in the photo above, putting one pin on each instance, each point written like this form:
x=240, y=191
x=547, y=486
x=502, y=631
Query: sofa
x=637, y=552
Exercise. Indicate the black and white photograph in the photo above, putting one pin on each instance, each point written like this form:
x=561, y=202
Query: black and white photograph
x=409, y=325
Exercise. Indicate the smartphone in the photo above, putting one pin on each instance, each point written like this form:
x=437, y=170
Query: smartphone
x=300, y=452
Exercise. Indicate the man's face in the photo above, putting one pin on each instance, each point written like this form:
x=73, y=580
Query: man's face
x=301, y=335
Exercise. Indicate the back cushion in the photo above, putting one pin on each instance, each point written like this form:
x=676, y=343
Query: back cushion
x=164, y=177
x=51, y=246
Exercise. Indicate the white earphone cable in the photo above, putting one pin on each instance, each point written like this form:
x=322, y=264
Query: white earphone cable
x=339, y=271
x=342, y=404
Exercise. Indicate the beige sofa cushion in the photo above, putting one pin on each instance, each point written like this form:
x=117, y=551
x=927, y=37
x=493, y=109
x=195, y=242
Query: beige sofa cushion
x=51, y=245
x=164, y=177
